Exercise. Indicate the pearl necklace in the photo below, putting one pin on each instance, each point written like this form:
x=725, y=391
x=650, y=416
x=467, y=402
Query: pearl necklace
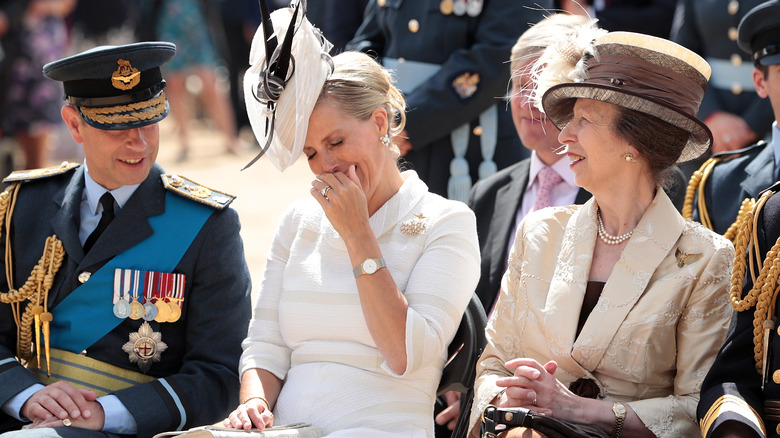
x=608, y=238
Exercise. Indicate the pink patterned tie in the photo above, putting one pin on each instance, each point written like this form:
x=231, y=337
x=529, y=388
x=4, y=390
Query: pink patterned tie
x=548, y=179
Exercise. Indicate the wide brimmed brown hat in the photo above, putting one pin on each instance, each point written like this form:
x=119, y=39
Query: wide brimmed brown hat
x=635, y=71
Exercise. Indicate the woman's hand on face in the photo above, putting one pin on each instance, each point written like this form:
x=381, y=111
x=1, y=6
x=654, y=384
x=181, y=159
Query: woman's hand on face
x=344, y=202
x=253, y=413
x=534, y=386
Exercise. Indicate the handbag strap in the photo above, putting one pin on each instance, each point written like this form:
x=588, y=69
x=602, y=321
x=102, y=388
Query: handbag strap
x=507, y=417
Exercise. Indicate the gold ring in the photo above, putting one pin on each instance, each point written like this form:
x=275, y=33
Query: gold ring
x=66, y=422
x=534, y=402
x=324, y=192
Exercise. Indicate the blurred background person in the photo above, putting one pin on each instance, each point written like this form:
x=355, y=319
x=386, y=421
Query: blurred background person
x=34, y=32
x=735, y=114
x=195, y=27
x=449, y=59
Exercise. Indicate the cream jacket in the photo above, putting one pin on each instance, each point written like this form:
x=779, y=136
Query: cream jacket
x=654, y=332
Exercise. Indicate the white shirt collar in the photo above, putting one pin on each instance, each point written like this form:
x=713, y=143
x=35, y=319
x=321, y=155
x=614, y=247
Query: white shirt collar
x=561, y=167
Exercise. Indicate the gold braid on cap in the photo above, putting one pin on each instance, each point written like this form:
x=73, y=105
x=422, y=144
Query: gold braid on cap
x=35, y=289
x=697, y=184
x=138, y=111
x=763, y=294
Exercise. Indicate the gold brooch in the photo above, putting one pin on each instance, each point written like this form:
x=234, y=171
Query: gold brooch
x=126, y=76
x=144, y=347
x=416, y=226
x=684, y=259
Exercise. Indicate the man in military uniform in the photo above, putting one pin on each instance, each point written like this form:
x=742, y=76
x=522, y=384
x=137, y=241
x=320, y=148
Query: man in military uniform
x=728, y=178
x=449, y=57
x=128, y=294
x=741, y=394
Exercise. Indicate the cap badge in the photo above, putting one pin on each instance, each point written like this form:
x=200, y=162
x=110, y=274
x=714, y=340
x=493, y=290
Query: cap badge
x=126, y=76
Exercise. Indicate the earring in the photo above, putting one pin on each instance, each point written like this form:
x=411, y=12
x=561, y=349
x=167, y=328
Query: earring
x=628, y=156
x=385, y=139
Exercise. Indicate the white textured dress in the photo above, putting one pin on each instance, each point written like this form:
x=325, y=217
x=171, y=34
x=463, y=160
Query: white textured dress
x=308, y=327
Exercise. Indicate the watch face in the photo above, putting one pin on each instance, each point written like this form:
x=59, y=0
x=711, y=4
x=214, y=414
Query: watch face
x=369, y=266
x=620, y=409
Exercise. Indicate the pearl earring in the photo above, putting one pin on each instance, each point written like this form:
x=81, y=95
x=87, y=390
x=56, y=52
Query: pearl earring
x=628, y=156
x=385, y=139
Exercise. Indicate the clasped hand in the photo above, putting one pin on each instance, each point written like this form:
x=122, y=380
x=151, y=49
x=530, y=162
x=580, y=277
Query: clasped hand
x=535, y=387
x=61, y=400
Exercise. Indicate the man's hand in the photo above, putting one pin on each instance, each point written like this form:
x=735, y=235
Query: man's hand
x=60, y=400
x=449, y=416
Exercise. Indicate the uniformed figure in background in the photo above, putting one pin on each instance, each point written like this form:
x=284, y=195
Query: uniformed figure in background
x=126, y=293
x=722, y=184
x=449, y=58
x=732, y=110
x=741, y=394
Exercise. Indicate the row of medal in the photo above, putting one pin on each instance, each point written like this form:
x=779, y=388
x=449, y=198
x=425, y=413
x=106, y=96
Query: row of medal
x=148, y=295
x=472, y=8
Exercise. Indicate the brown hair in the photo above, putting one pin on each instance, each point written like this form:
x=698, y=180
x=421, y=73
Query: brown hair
x=659, y=142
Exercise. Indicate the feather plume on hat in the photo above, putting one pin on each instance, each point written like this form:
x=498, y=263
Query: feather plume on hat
x=564, y=61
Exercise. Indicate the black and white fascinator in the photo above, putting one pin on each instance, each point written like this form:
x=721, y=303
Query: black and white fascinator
x=289, y=63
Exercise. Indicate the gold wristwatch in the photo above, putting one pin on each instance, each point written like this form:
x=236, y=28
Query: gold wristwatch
x=620, y=416
x=368, y=266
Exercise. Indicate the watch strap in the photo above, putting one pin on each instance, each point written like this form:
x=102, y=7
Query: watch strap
x=619, y=418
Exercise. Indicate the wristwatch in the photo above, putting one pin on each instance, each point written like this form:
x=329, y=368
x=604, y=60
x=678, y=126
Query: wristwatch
x=368, y=266
x=620, y=416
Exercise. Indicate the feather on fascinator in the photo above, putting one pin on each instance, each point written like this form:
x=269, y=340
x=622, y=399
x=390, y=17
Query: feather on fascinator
x=639, y=72
x=289, y=63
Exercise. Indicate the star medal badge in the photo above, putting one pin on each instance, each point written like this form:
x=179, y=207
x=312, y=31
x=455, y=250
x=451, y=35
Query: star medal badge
x=144, y=347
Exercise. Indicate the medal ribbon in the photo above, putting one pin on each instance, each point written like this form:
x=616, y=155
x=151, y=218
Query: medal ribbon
x=173, y=233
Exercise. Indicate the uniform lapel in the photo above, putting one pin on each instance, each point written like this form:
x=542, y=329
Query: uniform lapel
x=654, y=237
x=65, y=222
x=131, y=224
x=508, y=201
x=760, y=172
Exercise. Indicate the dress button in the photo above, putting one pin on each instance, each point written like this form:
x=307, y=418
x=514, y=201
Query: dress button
x=381, y=3
x=776, y=377
x=736, y=60
x=414, y=25
x=736, y=89
x=477, y=130
x=733, y=33
x=84, y=276
x=777, y=429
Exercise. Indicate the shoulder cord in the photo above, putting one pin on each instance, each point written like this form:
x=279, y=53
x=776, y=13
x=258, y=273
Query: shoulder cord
x=36, y=288
x=763, y=294
x=697, y=183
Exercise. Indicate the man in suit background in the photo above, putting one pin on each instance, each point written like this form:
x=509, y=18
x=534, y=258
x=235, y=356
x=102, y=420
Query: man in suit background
x=501, y=201
x=146, y=295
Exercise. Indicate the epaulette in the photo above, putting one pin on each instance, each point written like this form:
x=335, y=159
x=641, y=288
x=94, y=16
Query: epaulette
x=31, y=174
x=190, y=189
x=773, y=188
x=727, y=155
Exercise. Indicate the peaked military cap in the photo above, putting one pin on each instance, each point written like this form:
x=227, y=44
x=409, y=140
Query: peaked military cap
x=116, y=87
x=759, y=33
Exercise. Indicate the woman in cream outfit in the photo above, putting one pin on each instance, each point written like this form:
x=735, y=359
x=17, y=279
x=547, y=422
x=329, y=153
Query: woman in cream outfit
x=366, y=280
x=611, y=313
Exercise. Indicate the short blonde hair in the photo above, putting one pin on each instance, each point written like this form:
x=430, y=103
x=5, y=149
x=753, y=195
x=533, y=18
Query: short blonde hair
x=535, y=40
x=359, y=85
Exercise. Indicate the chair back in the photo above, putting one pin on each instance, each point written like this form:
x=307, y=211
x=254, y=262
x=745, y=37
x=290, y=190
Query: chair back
x=461, y=369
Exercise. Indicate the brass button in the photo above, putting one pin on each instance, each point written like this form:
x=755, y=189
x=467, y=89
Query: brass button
x=776, y=377
x=508, y=416
x=777, y=429
x=414, y=25
x=733, y=33
x=736, y=60
x=84, y=276
x=736, y=89
x=381, y=3
x=477, y=130
x=733, y=7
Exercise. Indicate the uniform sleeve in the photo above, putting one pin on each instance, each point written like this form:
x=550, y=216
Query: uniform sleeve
x=439, y=289
x=700, y=332
x=264, y=347
x=500, y=24
x=206, y=384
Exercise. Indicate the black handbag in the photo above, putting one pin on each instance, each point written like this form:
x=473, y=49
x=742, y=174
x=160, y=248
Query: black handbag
x=497, y=420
